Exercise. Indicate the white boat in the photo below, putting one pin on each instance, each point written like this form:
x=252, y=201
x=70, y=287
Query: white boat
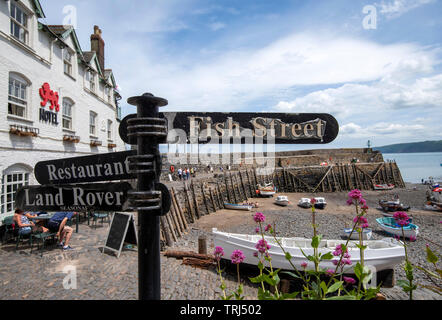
x=320, y=203
x=267, y=190
x=389, y=225
x=304, y=203
x=382, y=254
x=234, y=206
x=383, y=186
x=366, y=234
x=282, y=201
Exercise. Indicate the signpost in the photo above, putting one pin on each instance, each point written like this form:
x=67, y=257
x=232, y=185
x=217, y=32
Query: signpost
x=101, y=167
x=81, y=197
x=147, y=129
x=242, y=127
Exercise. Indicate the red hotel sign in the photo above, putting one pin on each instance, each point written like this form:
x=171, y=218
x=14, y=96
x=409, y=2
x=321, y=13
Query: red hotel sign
x=48, y=95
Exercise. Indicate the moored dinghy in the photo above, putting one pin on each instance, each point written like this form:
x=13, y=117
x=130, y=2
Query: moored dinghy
x=304, y=203
x=320, y=203
x=382, y=254
x=233, y=206
x=390, y=226
x=282, y=201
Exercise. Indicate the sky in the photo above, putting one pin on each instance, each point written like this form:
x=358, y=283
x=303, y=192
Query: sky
x=374, y=65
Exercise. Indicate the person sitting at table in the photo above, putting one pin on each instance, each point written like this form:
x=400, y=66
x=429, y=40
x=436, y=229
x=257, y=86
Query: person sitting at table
x=25, y=226
x=57, y=224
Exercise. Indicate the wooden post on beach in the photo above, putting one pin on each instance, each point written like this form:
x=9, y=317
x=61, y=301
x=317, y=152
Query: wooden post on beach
x=171, y=228
x=195, y=200
x=204, y=198
x=243, y=187
x=174, y=219
x=212, y=199
x=233, y=188
x=220, y=195
x=167, y=238
x=191, y=214
x=252, y=191
x=178, y=209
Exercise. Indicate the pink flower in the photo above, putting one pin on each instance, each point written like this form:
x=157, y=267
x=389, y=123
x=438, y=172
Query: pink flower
x=412, y=238
x=259, y=217
x=237, y=257
x=269, y=227
x=219, y=252
x=349, y=280
x=330, y=272
x=312, y=200
x=255, y=254
x=304, y=265
x=364, y=207
x=400, y=215
x=257, y=230
x=355, y=194
x=350, y=202
x=262, y=246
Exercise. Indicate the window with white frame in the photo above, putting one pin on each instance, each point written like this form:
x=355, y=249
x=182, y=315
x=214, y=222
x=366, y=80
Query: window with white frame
x=67, y=60
x=109, y=129
x=19, y=23
x=91, y=81
x=17, y=95
x=92, y=123
x=13, y=178
x=108, y=91
x=68, y=106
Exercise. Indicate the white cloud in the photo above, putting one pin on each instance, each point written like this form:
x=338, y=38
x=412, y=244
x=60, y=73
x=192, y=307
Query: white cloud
x=380, y=96
x=392, y=130
x=231, y=80
x=217, y=26
x=396, y=8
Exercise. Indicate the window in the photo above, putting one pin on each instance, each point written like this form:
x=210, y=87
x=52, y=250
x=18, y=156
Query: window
x=67, y=59
x=92, y=123
x=17, y=96
x=19, y=24
x=90, y=78
x=108, y=91
x=109, y=129
x=68, y=105
x=12, y=180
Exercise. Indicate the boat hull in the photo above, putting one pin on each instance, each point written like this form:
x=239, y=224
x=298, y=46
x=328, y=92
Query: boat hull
x=380, y=254
x=232, y=206
x=387, y=224
x=366, y=234
x=282, y=203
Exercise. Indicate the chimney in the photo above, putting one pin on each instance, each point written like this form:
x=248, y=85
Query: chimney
x=97, y=45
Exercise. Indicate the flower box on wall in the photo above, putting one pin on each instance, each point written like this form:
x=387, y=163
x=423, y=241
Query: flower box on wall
x=111, y=145
x=96, y=143
x=23, y=131
x=71, y=138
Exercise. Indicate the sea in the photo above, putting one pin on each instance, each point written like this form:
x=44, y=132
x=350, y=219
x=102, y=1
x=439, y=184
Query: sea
x=417, y=166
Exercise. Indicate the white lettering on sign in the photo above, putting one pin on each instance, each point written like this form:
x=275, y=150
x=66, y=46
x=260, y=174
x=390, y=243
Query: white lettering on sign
x=98, y=170
x=93, y=198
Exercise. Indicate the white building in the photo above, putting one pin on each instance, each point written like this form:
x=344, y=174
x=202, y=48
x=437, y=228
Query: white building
x=56, y=100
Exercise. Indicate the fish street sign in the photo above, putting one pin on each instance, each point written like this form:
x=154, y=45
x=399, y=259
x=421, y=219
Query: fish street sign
x=100, y=167
x=81, y=197
x=244, y=128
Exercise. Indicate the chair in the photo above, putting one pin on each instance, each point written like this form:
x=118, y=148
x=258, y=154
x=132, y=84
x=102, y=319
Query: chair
x=8, y=222
x=100, y=215
x=41, y=238
x=22, y=237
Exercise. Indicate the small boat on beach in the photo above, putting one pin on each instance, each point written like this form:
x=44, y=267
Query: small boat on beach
x=233, y=206
x=391, y=215
x=383, y=186
x=320, y=203
x=393, y=205
x=304, y=203
x=382, y=254
x=282, y=201
x=366, y=234
x=267, y=190
x=390, y=226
